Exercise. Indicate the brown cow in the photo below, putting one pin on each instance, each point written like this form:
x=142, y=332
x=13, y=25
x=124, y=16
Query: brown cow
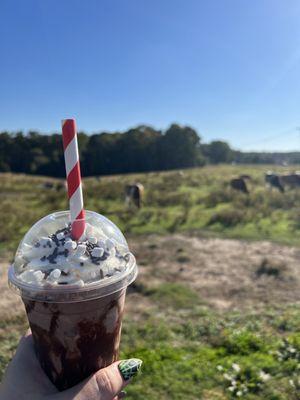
x=290, y=180
x=239, y=184
x=284, y=181
x=134, y=194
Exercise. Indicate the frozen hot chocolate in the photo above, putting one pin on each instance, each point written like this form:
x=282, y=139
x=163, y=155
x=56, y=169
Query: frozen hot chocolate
x=74, y=293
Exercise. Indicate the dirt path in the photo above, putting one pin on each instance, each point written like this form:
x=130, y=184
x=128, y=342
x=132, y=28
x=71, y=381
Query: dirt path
x=227, y=274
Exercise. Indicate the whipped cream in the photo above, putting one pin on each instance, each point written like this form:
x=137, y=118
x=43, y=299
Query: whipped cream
x=55, y=259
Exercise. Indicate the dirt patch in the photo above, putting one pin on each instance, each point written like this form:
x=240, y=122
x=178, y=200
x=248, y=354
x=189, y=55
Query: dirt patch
x=227, y=274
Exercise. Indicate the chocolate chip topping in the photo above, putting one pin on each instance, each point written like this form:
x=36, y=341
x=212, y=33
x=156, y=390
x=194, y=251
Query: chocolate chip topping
x=53, y=256
x=82, y=253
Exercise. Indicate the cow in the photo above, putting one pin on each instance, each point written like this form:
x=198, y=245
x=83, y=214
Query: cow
x=284, y=181
x=274, y=180
x=134, y=194
x=239, y=184
x=290, y=180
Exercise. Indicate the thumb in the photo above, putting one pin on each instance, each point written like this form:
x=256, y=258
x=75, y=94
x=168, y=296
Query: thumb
x=105, y=384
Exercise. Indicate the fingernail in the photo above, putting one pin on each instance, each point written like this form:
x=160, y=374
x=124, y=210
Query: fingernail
x=130, y=368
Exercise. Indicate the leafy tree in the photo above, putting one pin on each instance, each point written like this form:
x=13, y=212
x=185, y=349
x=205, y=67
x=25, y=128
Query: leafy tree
x=219, y=152
x=6, y=142
x=180, y=147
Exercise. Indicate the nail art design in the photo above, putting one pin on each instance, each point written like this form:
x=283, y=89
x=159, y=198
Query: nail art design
x=130, y=368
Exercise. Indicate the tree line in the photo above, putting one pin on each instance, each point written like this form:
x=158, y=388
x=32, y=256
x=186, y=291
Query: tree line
x=140, y=149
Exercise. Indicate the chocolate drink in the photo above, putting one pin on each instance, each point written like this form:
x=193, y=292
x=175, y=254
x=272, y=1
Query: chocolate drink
x=74, y=294
x=73, y=340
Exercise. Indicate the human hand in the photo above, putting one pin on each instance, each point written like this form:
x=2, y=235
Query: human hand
x=24, y=379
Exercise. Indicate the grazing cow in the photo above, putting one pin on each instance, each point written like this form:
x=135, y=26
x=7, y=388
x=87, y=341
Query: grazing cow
x=239, y=184
x=290, y=180
x=134, y=194
x=274, y=180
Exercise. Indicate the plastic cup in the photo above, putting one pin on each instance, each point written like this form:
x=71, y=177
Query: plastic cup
x=76, y=330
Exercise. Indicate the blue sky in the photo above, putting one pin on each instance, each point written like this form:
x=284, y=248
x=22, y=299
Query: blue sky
x=229, y=68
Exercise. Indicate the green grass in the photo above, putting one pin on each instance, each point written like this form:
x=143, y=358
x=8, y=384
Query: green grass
x=173, y=295
x=10, y=331
x=184, y=358
x=186, y=352
x=199, y=200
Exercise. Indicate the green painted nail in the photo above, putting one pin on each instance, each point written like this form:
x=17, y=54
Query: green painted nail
x=130, y=368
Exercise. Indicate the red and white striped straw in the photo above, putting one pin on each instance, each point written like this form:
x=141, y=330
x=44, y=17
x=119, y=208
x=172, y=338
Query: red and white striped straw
x=73, y=177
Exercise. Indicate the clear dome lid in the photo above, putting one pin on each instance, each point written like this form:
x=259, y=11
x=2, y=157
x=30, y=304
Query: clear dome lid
x=49, y=262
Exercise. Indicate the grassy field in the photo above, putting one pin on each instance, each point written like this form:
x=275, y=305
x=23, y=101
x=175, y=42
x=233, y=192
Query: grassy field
x=212, y=319
x=197, y=199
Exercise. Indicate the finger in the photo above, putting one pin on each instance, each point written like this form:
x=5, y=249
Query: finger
x=105, y=384
x=109, y=381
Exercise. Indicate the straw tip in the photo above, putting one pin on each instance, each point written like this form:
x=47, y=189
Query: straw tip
x=67, y=120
